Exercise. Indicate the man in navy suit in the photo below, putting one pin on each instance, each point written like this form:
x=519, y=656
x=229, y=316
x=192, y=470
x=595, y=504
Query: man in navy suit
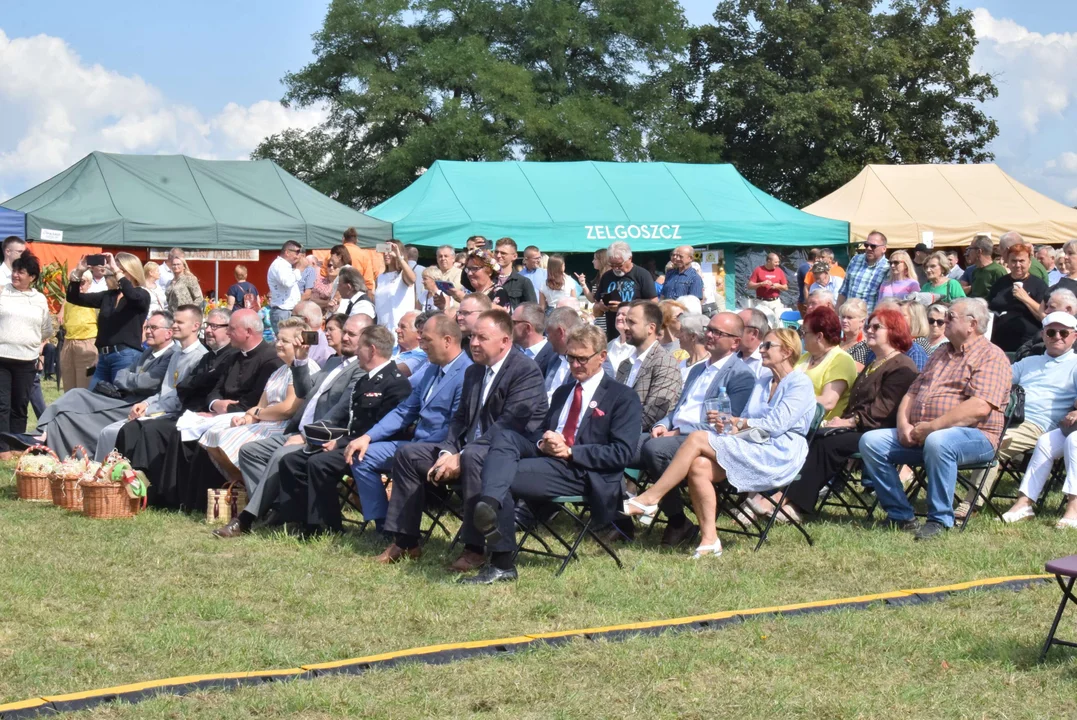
x=722, y=369
x=588, y=437
x=434, y=398
x=503, y=389
x=529, y=334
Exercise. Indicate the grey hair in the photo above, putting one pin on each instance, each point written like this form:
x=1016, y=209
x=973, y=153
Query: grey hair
x=943, y=260
x=353, y=277
x=825, y=294
x=619, y=249
x=534, y=315
x=938, y=307
x=378, y=338
x=695, y=324
x=1009, y=239
x=977, y=308
x=221, y=313
x=853, y=305
x=1069, y=245
x=983, y=244
x=1065, y=296
x=310, y=312
x=564, y=318
x=164, y=315
x=758, y=321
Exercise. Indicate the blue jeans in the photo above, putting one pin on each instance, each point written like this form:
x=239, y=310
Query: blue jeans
x=108, y=366
x=368, y=485
x=942, y=453
x=276, y=315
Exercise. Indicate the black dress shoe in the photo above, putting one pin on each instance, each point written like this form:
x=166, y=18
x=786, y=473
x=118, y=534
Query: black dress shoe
x=489, y=575
x=930, y=530
x=909, y=526
x=675, y=536
x=20, y=441
x=486, y=523
x=272, y=519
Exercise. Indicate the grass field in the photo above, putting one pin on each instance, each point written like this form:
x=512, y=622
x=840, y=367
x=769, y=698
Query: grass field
x=91, y=604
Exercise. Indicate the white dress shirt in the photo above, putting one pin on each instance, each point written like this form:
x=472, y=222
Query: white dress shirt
x=533, y=351
x=691, y=410
x=97, y=284
x=590, y=385
x=312, y=404
x=637, y=359
x=284, y=291
x=753, y=361
x=357, y=306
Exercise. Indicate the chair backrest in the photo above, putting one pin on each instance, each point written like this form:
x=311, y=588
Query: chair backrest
x=1015, y=408
x=820, y=411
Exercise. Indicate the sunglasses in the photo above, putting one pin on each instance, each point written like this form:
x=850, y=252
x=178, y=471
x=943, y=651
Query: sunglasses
x=872, y=246
x=896, y=263
x=938, y=322
x=764, y=346
x=876, y=327
x=1052, y=333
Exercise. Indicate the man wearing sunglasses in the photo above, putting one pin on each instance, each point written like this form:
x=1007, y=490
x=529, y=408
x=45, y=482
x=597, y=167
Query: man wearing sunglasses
x=866, y=272
x=952, y=415
x=1050, y=383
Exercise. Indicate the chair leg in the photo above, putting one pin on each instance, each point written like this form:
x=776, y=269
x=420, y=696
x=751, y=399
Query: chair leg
x=1067, y=595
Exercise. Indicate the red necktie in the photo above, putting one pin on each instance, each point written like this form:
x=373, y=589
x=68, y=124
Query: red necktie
x=573, y=416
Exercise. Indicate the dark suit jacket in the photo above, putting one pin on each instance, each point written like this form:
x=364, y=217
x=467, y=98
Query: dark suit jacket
x=605, y=442
x=194, y=389
x=516, y=401
x=245, y=377
x=547, y=359
x=339, y=392
x=374, y=397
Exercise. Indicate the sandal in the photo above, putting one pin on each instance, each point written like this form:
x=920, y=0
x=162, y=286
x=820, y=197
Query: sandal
x=1023, y=513
x=964, y=508
x=646, y=514
x=744, y=515
x=703, y=551
x=1066, y=524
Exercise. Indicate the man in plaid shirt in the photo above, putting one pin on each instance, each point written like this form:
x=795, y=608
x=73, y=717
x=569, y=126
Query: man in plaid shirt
x=951, y=416
x=866, y=272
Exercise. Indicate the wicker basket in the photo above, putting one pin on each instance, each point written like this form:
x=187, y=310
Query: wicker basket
x=107, y=501
x=223, y=504
x=64, y=483
x=33, y=486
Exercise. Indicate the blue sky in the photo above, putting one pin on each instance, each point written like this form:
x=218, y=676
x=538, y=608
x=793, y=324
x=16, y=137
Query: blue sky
x=204, y=78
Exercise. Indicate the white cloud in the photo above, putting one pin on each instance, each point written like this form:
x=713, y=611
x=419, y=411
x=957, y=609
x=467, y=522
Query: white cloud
x=65, y=109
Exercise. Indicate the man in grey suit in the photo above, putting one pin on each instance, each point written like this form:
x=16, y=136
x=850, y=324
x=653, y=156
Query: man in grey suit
x=650, y=370
x=78, y=417
x=186, y=325
x=705, y=381
x=327, y=398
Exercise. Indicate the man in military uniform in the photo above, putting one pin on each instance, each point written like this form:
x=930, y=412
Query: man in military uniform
x=308, y=493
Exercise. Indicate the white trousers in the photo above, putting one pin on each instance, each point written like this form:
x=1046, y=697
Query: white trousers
x=1051, y=447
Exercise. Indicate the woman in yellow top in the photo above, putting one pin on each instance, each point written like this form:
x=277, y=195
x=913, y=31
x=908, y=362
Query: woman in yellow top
x=79, y=353
x=831, y=369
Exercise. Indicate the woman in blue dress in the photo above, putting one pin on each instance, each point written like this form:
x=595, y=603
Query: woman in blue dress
x=765, y=452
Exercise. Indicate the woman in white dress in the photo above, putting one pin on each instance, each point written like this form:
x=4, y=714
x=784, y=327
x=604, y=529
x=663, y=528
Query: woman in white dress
x=270, y=416
x=394, y=295
x=765, y=451
x=556, y=285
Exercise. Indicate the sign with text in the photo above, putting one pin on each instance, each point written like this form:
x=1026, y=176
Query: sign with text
x=227, y=255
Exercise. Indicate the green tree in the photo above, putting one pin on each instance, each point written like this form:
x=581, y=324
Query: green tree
x=803, y=93
x=408, y=82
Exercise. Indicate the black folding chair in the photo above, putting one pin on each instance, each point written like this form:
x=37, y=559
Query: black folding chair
x=349, y=498
x=729, y=502
x=1062, y=568
x=841, y=491
x=577, y=508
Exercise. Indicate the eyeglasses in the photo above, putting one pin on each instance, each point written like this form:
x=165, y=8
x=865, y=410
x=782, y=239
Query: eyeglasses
x=157, y=327
x=580, y=359
x=720, y=333
x=936, y=322
x=951, y=316
x=216, y=326
x=876, y=327
x=1052, y=333
x=465, y=313
x=472, y=268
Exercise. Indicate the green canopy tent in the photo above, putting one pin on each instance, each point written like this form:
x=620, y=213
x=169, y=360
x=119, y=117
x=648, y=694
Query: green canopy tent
x=173, y=200
x=584, y=206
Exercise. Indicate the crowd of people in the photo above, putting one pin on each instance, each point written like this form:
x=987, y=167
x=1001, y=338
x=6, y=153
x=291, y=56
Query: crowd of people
x=517, y=383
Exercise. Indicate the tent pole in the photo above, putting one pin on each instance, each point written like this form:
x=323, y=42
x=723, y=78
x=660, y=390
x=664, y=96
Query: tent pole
x=217, y=280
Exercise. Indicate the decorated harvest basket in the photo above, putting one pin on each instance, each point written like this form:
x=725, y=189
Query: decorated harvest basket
x=32, y=474
x=64, y=480
x=116, y=490
x=223, y=504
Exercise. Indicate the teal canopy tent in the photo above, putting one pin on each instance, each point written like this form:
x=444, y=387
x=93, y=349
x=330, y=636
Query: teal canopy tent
x=173, y=200
x=584, y=206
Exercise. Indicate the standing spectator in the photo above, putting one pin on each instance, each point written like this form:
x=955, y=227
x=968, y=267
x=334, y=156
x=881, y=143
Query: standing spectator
x=324, y=288
x=121, y=312
x=1045, y=254
x=158, y=298
x=366, y=260
x=243, y=294
x=166, y=267
x=622, y=283
x=518, y=288
x=682, y=278
x=79, y=353
x=902, y=280
x=831, y=369
x=824, y=280
x=556, y=285
x=309, y=278
x=826, y=255
x=951, y=416
x=939, y=287
x=25, y=325
x=985, y=271
x=284, y=275
x=481, y=270
x=1017, y=298
x=183, y=290
x=867, y=272
x=353, y=294
x=98, y=281
x=444, y=271
x=340, y=258
x=920, y=255
x=600, y=263
x=14, y=246
x=769, y=281
x=956, y=271
x=533, y=269
x=803, y=269
x=395, y=294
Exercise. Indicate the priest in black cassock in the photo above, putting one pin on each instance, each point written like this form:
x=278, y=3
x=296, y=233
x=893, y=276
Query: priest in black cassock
x=238, y=389
x=144, y=441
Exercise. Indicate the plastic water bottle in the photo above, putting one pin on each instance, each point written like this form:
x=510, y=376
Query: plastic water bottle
x=725, y=411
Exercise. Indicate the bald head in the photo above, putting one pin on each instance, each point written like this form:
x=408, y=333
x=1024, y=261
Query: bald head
x=310, y=312
x=245, y=329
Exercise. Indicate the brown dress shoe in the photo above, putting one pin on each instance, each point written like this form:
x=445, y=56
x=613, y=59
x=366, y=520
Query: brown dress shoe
x=395, y=553
x=467, y=562
x=233, y=529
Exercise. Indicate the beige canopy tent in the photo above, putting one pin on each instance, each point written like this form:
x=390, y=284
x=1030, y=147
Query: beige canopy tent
x=944, y=206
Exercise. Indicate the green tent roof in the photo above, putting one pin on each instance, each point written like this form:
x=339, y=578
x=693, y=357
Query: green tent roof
x=173, y=200
x=583, y=206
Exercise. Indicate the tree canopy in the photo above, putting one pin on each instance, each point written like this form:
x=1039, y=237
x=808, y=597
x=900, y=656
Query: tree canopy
x=798, y=94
